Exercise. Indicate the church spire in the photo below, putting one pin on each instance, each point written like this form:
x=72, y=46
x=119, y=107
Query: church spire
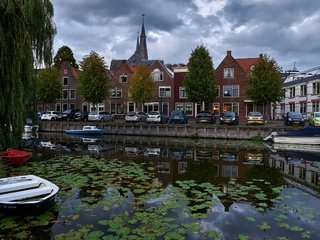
x=137, y=45
x=143, y=42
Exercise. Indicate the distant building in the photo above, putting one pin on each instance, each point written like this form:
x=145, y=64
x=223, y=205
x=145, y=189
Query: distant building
x=302, y=93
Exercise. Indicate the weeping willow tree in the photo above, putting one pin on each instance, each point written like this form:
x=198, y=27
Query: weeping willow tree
x=26, y=39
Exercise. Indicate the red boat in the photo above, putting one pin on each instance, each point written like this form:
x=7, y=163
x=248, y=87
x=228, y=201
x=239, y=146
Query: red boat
x=15, y=157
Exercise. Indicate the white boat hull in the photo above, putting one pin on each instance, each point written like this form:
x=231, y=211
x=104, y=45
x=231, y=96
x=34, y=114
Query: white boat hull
x=297, y=140
x=26, y=193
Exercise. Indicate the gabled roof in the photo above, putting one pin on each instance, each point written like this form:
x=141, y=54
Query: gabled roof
x=246, y=63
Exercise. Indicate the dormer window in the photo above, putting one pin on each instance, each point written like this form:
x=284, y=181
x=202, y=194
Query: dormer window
x=228, y=73
x=123, y=78
x=157, y=75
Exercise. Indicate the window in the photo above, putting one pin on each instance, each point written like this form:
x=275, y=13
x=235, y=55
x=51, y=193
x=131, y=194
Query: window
x=292, y=92
x=116, y=93
x=302, y=173
x=303, y=90
x=164, y=91
x=72, y=94
x=218, y=91
x=229, y=171
x=64, y=107
x=116, y=108
x=72, y=106
x=65, y=94
x=234, y=107
x=228, y=73
x=316, y=88
x=292, y=107
x=303, y=107
x=65, y=81
x=231, y=90
x=182, y=92
x=187, y=107
x=157, y=75
x=315, y=106
x=65, y=71
x=123, y=78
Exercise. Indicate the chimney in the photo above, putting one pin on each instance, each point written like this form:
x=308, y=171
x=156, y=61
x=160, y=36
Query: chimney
x=260, y=55
x=228, y=53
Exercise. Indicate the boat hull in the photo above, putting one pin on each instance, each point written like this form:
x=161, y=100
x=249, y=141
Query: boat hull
x=297, y=140
x=15, y=157
x=26, y=194
x=85, y=132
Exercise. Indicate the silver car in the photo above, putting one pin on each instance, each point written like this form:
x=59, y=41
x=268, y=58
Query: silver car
x=156, y=117
x=100, y=116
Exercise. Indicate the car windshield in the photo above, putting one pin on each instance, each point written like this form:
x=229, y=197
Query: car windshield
x=176, y=113
x=93, y=113
x=67, y=111
x=317, y=114
x=297, y=115
x=131, y=114
x=255, y=114
x=229, y=114
x=153, y=113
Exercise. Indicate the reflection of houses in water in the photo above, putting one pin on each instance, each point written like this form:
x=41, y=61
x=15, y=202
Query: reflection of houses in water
x=133, y=151
x=255, y=158
x=298, y=169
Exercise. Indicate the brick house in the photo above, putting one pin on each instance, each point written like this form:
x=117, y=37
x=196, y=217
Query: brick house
x=70, y=98
x=231, y=78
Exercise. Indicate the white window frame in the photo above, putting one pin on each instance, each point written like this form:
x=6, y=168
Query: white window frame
x=74, y=97
x=157, y=75
x=165, y=91
x=233, y=88
x=228, y=73
x=116, y=93
x=123, y=76
x=183, y=93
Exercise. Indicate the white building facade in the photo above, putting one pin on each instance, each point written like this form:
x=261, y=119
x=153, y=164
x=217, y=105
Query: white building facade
x=302, y=93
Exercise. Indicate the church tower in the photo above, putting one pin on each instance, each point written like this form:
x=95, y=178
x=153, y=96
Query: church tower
x=143, y=43
x=141, y=52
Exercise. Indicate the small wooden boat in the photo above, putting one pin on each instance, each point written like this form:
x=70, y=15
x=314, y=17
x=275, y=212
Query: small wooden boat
x=308, y=135
x=86, y=130
x=15, y=156
x=26, y=193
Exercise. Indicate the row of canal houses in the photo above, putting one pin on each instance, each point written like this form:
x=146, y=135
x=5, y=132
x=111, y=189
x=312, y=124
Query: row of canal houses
x=230, y=76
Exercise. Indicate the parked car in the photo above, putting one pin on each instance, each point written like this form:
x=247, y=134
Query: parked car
x=205, y=117
x=51, y=115
x=81, y=116
x=229, y=117
x=255, y=118
x=178, y=117
x=135, y=116
x=314, y=119
x=156, y=117
x=69, y=114
x=100, y=116
x=294, y=118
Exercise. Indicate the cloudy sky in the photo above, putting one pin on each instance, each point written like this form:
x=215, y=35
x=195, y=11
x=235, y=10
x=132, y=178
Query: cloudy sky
x=287, y=30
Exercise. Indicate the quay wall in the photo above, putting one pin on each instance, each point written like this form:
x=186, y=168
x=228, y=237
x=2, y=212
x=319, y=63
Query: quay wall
x=241, y=132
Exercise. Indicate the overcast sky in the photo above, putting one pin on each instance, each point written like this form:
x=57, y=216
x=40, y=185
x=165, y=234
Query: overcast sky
x=287, y=30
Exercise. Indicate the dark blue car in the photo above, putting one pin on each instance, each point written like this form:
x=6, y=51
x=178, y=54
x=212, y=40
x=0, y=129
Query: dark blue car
x=178, y=117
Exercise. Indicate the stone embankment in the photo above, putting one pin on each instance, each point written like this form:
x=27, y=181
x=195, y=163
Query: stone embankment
x=240, y=132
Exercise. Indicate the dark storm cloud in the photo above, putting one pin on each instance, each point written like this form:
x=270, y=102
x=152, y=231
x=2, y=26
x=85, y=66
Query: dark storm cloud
x=286, y=29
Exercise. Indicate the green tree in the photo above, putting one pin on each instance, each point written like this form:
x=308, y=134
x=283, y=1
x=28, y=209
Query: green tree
x=94, y=79
x=49, y=87
x=200, y=83
x=265, y=83
x=142, y=86
x=64, y=54
x=26, y=39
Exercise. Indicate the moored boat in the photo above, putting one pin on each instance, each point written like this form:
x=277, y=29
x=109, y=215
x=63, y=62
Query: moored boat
x=26, y=193
x=15, y=156
x=308, y=135
x=86, y=130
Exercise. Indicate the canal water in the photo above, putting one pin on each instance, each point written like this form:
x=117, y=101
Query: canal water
x=119, y=187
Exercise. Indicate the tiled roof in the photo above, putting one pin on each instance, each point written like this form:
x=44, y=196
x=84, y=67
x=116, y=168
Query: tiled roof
x=246, y=63
x=74, y=72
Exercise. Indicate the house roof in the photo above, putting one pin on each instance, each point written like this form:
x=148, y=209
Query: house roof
x=246, y=63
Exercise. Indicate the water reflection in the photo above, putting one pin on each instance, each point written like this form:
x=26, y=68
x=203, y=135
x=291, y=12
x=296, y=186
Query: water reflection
x=190, y=183
x=229, y=159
